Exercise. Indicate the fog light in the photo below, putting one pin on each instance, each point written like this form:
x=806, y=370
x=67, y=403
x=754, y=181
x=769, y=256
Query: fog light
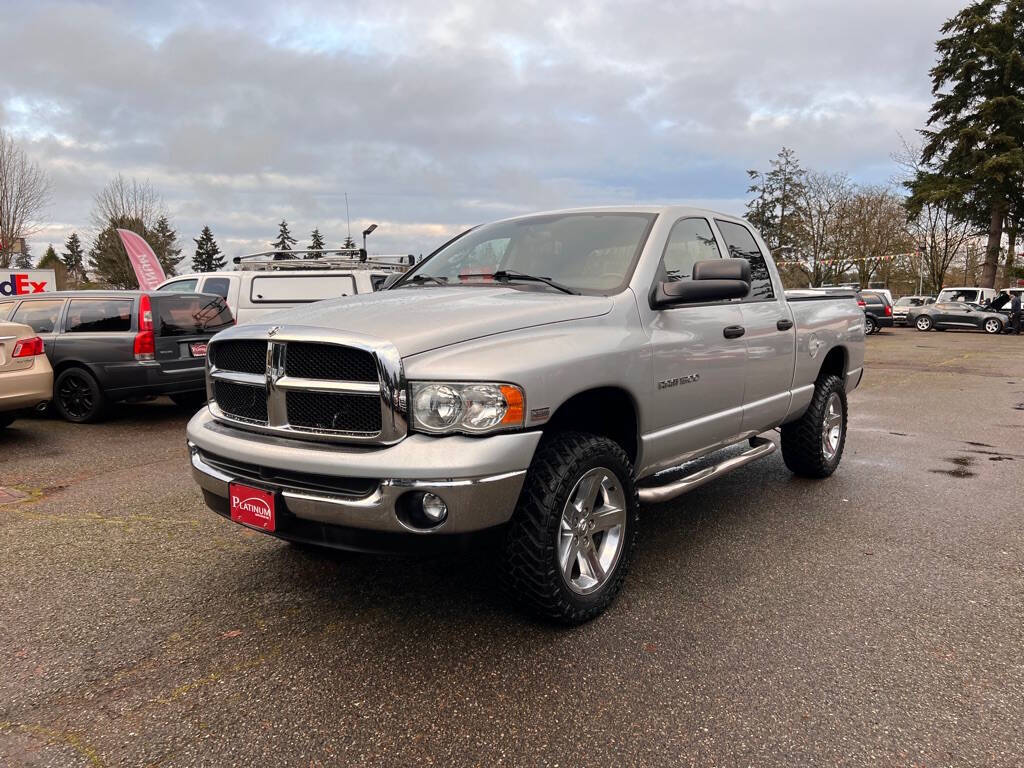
x=434, y=508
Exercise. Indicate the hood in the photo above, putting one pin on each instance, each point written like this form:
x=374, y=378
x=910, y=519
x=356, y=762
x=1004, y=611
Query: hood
x=999, y=301
x=418, y=319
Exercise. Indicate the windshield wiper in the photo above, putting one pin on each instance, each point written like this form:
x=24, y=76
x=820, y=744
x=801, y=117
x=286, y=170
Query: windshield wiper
x=421, y=279
x=506, y=275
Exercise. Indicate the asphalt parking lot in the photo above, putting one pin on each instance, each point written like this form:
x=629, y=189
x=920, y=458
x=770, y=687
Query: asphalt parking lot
x=876, y=618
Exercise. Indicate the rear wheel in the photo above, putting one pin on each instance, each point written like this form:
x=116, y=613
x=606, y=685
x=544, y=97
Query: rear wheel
x=870, y=326
x=6, y=419
x=992, y=325
x=923, y=323
x=569, y=542
x=78, y=397
x=813, y=445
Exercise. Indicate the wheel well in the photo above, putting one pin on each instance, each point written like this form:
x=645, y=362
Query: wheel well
x=834, y=364
x=606, y=411
x=63, y=366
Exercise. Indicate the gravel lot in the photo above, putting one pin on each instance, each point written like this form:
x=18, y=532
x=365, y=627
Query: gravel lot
x=876, y=618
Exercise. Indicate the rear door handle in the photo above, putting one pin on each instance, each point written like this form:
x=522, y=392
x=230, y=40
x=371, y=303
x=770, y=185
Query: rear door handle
x=733, y=331
x=784, y=324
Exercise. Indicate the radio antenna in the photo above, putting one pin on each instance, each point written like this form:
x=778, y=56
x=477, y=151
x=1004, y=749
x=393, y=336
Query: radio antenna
x=348, y=218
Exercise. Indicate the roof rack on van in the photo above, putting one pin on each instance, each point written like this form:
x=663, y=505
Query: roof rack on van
x=329, y=258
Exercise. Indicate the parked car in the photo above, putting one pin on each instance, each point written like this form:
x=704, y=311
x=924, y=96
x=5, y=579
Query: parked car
x=877, y=311
x=903, y=305
x=107, y=346
x=267, y=283
x=966, y=295
x=958, y=314
x=26, y=378
x=532, y=378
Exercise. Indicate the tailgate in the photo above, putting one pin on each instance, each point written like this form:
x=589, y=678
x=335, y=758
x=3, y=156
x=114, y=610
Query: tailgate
x=10, y=334
x=183, y=324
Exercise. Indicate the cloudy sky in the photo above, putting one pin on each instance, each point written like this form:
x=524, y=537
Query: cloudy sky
x=435, y=116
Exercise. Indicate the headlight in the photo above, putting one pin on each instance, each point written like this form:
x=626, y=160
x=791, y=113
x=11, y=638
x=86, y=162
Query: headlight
x=441, y=407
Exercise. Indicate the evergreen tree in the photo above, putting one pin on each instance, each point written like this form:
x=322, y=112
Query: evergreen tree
x=973, y=156
x=776, y=210
x=107, y=257
x=284, y=241
x=349, y=242
x=316, y=243
x=50, y=259
x=208, y=257
x=164, y=240
x=74, y=258
x=24, y=259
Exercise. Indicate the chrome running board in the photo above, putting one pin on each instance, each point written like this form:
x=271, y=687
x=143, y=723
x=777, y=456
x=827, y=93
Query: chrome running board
x=759, y=448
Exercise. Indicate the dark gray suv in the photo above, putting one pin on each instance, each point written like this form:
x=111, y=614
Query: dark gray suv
x=109, y=346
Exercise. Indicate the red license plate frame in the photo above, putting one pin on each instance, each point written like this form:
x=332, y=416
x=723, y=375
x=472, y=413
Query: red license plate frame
x=254, y=507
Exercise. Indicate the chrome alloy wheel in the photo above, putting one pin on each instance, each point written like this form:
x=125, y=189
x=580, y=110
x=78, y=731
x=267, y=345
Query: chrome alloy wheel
x=993, y=326
x=832, y=427
x=592, y=531
x=923, y=323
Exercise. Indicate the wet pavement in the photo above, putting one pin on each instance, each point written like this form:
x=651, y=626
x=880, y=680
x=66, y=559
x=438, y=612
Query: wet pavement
x=875, y=618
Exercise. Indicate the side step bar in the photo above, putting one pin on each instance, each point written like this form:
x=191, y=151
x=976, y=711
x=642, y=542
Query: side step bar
x=759, y=448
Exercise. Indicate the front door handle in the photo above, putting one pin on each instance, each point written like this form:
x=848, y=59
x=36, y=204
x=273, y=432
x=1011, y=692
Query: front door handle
x=784, y=324
x=733, y=331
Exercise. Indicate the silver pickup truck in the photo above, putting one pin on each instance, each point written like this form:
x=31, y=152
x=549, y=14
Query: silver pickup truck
x=535, y=379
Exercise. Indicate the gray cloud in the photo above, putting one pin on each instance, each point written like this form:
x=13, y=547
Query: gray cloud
x=436, y=116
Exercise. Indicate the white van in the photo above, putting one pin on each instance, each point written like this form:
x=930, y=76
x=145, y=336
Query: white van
x=966, y=295
x=264, y=285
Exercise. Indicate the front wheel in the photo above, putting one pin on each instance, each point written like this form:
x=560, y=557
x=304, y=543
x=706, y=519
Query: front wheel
x=992, y=325
x=568, y=545
x=813, y=445
x=923, y=323
x=78, y=397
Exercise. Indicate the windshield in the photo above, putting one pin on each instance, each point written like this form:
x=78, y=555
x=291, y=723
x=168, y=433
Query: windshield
x=588, y=252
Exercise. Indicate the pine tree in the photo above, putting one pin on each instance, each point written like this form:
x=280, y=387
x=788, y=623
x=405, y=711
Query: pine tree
x=284, y=241
x=349, y=242
x=74, y=259
x=208, y=257
x=107, y=257
x=24, y=259
x=164, y=240
x=776, y=210
x=50, y=259
x=316, y=243
x=973, y=157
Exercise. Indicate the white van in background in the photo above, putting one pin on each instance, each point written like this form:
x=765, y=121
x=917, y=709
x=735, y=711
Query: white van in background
x=264, y=284
x=966, y=295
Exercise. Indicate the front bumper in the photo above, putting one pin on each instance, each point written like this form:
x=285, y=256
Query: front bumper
x=360, y=487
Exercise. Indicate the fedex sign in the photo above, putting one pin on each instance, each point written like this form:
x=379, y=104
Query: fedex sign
x=27, y=281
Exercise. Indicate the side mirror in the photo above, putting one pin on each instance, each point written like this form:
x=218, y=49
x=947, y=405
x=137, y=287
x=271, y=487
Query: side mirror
x=712, y=280
x=390, y=280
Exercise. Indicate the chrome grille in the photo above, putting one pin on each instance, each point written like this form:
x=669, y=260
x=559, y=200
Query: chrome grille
x=323, y=361
x=308, y=388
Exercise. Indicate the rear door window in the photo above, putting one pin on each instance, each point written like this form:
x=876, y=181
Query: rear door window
x=218, y=286
x=42, y=316
x=741, y=244
x=5, y=309
x=190, y=315
x=99, y=316
x=286, y=289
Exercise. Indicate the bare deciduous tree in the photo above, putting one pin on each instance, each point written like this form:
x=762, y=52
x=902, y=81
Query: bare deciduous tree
x=126, y=200
x=24, y=193
x=826, y=198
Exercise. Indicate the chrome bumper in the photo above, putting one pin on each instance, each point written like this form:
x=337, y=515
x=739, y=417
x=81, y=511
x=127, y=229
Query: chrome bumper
x=478, y=478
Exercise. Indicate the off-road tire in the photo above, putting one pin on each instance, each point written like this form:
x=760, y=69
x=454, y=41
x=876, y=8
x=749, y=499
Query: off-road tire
x=529, y=568
x=98, y=406
x=802, y=448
